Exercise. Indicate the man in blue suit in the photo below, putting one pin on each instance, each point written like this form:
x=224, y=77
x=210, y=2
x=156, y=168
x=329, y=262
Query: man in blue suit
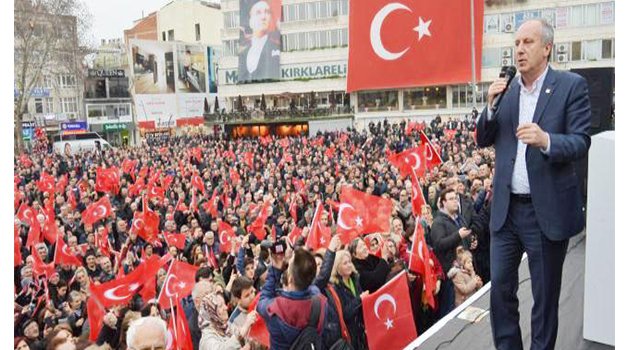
x=539, y=133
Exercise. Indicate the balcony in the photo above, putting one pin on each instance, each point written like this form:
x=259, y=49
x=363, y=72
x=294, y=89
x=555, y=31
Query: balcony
x=278, y=115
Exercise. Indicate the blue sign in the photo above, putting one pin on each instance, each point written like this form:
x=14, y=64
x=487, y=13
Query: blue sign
x=521, y=17
x=37, y=92
x=74, y=126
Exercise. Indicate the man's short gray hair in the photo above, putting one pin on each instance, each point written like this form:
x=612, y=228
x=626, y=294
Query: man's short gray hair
x=143, y=322
x=546, y=30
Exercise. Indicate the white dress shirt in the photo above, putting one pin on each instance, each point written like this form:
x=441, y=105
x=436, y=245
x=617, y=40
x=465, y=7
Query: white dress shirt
x=253, y=55
x=527, y=106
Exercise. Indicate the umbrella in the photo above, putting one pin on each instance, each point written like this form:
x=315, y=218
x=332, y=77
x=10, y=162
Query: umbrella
x=216, y=104
x=263, y=103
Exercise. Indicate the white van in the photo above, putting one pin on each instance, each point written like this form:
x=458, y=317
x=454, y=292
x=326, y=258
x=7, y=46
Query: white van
x=78, y=143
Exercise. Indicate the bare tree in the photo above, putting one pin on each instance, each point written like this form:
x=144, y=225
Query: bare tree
x=50, y=38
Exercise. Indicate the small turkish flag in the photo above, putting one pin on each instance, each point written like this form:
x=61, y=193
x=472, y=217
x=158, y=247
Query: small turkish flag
x=419, y=263
x=178, y=284
x=258, y=331
x=26, y=214
x=46, y=183
x=258, y=226
x=155, y=192
x=417, y=196
x=294, y=235
x=248, y=158
x=431, y=155
x=97, y=211
x=197, y=183
x=108, y=180
x=226, y=234
x=63, y=254
x=179, y=337
x=361, y=213
x=319, y=235
x=96, y=313
x=146, y=225
x=409, y=161
x=388, y=316
x=412, y=43
x=39, y=268
x=175, y=239
x=119, y=291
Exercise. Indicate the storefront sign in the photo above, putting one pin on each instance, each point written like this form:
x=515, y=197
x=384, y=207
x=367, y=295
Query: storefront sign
x=299, y=71
x=106, y=73
x=37, y=92
x=73, y=127
x=114, y=127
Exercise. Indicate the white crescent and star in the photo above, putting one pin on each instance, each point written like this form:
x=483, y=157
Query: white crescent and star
x=340, y=222
x=388, y=298
x=167, y=290
x=428, y=151
x=221, y=237
x=377, y=23
x=111, y=293
x=101, y=210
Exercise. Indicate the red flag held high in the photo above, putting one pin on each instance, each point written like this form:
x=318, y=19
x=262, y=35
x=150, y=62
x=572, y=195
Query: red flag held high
x=419, y=263
x=97, y=211
x=175, y=239
x=119, y=291
x=258, y=331
x=179, y=333
x=95, y=312
x=258, y=226
x=63, y=255
x=388, y=316
x=417, y=196
x=319, y=235
x=226, y=233
x=197, y=183
x=389, y=42
x=431, y=155
x=361, y=213
x=178, y=284
x=408, y=161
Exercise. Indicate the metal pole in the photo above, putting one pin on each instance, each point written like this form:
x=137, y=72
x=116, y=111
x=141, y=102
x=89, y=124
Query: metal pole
x=472, y=31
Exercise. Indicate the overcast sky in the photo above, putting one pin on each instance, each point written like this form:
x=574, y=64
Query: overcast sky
x=112, y=17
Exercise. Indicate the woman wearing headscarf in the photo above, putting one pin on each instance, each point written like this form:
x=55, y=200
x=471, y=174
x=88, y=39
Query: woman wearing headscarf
x=213, y=323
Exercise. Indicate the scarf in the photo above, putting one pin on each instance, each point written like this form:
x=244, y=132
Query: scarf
x=209, y=315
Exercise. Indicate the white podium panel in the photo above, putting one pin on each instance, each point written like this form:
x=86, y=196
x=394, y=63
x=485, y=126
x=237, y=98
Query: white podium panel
x=599, y=265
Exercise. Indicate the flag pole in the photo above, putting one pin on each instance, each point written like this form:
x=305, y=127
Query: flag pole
x=472, y=36
x=170, y=300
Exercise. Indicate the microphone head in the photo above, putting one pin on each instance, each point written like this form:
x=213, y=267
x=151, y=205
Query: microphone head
x=510, y=72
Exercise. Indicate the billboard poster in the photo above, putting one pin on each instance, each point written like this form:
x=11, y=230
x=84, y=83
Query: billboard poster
x=260, y=40
x=191, y=68
x=153, y=67
x=159, y=110
x=194, y=105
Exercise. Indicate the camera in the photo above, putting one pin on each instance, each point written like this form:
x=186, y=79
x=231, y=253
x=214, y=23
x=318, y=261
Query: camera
x=279, y=247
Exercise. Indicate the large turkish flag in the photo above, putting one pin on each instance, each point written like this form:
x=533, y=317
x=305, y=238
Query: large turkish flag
x=388, y=315
x=410, y=43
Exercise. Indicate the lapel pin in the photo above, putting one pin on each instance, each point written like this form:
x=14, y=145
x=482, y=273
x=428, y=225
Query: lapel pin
x=548, y=91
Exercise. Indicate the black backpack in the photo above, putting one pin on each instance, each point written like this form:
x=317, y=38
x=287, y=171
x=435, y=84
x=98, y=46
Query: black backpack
x=309, y=339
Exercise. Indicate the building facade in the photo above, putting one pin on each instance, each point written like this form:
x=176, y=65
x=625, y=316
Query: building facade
x=144, y=28
x=108, y=104
x=190, y=21
x=314, y=51
x=55, y=94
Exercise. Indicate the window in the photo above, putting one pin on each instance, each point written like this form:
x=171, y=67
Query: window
x=577, y=16
x=292, y=13
x=324, y=10
x=301, y=10
x=593, y=50
x=576, y=51
x=378, y=101
x=491, y=23
x=312, y=10
x=118, y=87
x=163, y=36
x=312, y=40
x=344, y=37
x=171, y=35
x=302, y=44
x=426, y=98
x=344, y=7
x=69, y=106
x=197, y=32
x=39, y=105
x=334, y=8
x=48, y=106
x=324, y=40
x=67, y=80
x=463, y=95
x=591, y=14
x=607, y=49
x=334, y=38
x=491, y=57
x=607, y=13
x=48, y=81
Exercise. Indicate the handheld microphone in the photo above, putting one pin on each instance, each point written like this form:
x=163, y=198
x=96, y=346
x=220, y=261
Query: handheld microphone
x=506, y=72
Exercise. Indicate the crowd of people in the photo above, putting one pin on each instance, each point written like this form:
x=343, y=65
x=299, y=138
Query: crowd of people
x=274, y=276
